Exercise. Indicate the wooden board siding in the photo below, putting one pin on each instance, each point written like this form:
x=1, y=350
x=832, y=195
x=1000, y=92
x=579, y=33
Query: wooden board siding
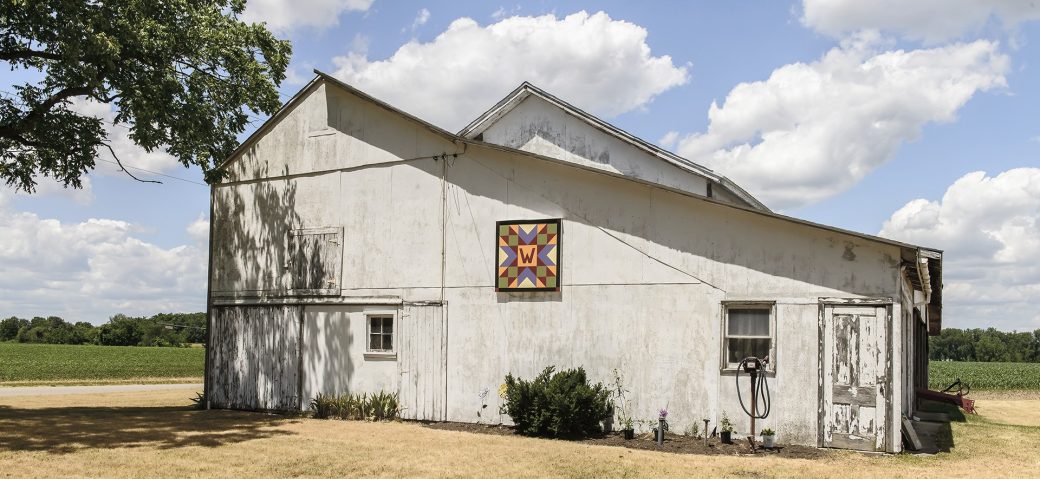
x=854, y=376
x=422, y=362
x=315, y=261
x=254, y=360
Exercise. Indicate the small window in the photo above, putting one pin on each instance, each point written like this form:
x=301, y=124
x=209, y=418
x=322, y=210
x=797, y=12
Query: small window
x=381, y=334
x=748, y=331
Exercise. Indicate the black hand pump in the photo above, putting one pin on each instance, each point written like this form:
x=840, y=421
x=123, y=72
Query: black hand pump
x=755, y=367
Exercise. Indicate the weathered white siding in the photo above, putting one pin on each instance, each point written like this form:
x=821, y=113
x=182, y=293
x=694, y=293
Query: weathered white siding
x=254, y=358
x=333, y=354
x=644, y=270
x=542, y=128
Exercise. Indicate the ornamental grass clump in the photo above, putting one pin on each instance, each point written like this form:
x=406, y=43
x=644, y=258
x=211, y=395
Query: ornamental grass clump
x=560, y=404
x=380, y=406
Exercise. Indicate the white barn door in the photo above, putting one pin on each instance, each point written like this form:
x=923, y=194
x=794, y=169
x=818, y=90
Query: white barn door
x=422, y=362
x=853, y=372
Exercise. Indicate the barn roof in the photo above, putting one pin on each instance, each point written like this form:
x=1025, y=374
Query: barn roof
x=526, y=90
x=923, y=264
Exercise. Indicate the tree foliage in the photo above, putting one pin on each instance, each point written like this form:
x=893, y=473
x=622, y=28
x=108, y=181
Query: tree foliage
x=121, y=330
x=183, y=74
x=988, y=345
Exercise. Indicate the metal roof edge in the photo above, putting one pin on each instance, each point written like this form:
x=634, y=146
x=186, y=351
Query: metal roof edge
x=767, y=213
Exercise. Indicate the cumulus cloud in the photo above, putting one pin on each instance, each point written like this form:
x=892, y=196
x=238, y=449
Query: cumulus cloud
x=989, y=227
x=928, y=20
x=91, y=270
x=119, y=138
x=283, y=15
x=199, y=229
x=813, y=130
x=669, y=139
x=598, y=63
x=420, y=19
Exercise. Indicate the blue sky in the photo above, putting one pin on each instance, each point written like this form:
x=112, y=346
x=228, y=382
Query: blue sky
x=854, y=114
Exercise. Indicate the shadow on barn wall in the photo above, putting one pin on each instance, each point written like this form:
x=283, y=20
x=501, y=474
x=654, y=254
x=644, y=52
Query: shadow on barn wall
x=255, y=361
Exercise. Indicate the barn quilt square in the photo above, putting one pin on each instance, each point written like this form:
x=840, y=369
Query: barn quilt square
x=528, y=255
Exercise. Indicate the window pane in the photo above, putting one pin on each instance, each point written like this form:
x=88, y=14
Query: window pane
x=388, y=342
x=749, y=322
x=374, y=325
x=740, y=348
x=388, y=325
x=374, y=342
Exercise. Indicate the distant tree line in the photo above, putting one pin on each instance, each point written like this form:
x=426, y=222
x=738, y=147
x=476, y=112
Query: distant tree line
x=989, y=345
x=177, y=329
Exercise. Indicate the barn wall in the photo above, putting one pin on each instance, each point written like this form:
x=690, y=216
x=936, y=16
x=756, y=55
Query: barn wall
x=645, y=270
x=334, y=359
x=254, y=358
x=537, y=126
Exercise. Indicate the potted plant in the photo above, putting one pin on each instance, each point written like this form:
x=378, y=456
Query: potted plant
x=626, y=427
x=767, y=438
x=726, y=429
x=621, y=405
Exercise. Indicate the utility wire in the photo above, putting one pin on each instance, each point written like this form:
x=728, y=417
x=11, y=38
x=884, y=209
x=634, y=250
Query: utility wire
x=155, y=173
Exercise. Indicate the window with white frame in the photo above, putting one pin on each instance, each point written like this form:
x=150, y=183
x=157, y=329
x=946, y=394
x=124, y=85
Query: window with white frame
x=381, y=333
x=748, y=330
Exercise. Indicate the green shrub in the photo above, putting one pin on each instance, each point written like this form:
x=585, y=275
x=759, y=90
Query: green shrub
x=324, y=406
x=563, y=404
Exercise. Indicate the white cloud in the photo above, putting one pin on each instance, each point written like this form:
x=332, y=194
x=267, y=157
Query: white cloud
x=598, y=63
x=199, y=229
x=46, y=186
x=282, y=15
x=669, y=139
x=989, y=228
x=928, y=20
x=91, y=270
x=502, y=12
x=119, y=138
x=813, y=130
x=420, y=19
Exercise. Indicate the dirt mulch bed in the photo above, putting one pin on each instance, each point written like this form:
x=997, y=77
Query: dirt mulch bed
x=672, y=442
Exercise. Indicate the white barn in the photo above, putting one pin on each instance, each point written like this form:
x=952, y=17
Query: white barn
x=356, y=248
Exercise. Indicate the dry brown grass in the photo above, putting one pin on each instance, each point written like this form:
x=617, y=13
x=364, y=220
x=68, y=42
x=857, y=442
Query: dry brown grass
x=156, y=434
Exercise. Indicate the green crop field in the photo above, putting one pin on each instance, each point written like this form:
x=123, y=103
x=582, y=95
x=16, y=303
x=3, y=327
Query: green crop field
x=59, y=363
x=980, y=376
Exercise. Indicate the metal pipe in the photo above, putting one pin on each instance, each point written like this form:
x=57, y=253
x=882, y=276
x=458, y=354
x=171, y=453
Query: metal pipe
x=754, y=402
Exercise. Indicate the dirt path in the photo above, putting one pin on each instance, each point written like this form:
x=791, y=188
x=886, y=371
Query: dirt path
x=115, y=388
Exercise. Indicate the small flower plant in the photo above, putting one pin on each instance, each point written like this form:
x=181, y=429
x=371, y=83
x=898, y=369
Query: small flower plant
x=768, y=432
x=662, y=418
x=483, y=404
x=503, y=396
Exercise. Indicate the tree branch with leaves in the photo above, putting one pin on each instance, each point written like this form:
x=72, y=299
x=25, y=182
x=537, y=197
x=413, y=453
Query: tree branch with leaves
x=183, y=75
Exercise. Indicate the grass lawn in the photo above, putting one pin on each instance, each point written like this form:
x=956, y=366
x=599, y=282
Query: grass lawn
x=41, y=364
x=156, y=434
